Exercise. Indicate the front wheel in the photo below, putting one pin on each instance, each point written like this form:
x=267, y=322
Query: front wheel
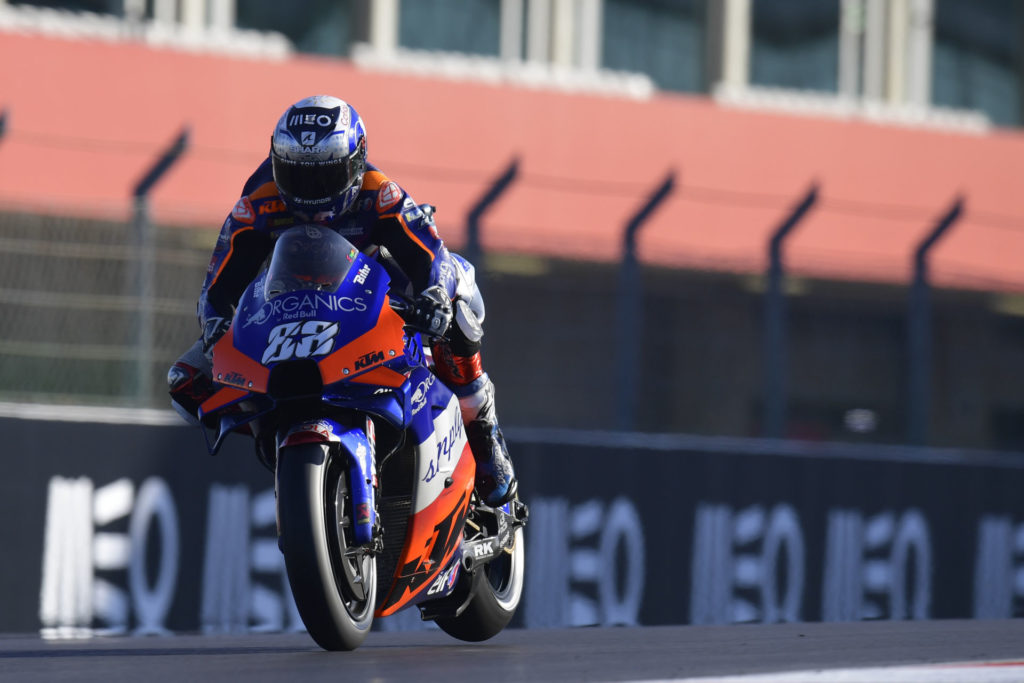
x=334, y=582
x=497, y=587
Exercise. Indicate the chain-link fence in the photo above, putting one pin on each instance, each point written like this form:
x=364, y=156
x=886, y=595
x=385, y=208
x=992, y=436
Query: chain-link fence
x=71, y=317
x=71, y=308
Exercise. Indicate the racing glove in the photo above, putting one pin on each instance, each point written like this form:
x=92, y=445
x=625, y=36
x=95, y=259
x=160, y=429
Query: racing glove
x=432, y=312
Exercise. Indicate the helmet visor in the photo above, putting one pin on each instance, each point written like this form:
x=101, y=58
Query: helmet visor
x=314, y=181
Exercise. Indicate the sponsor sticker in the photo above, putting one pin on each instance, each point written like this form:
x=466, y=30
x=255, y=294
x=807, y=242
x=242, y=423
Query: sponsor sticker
x=445, y=580
x=233, y=378
x=419, y=396
x=310, y=125
x=412, y=214
x=363, y=514
x=388, y=195
x=323, y=428
x=243, y=211
x=371, y=358
x=302, y=306
x=272, y=206
x=350, y=230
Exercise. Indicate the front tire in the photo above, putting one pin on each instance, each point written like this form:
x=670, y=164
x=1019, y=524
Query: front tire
x=498, y=587
x=333, y=581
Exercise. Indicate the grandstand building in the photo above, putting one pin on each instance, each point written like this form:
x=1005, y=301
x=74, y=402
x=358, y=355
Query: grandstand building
x=875, y=144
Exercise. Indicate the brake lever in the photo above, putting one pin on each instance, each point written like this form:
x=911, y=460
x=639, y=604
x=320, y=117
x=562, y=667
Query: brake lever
x=400, y=303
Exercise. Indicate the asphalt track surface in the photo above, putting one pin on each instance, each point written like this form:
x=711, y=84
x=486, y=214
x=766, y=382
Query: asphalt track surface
x=582, y=654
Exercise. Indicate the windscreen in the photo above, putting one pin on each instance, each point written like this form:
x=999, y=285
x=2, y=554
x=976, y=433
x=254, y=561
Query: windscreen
x=308, y=258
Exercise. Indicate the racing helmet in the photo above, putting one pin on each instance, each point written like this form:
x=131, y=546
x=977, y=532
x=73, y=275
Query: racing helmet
x=318, y=153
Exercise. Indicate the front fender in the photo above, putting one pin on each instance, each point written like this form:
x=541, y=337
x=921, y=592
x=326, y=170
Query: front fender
x=356, y=444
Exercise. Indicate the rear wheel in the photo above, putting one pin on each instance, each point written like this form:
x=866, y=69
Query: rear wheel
x=497, y=588
x=333, y=581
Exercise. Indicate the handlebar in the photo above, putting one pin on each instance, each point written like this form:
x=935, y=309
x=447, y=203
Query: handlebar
x=407, y=309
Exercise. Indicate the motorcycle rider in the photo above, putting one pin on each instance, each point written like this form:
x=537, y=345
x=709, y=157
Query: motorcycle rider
x=317, y=172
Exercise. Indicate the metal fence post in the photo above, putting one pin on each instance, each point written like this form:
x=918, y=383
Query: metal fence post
x=775, y=338
x=630, y=314
x=919, y=333
x=143, y=276
x=473, y=251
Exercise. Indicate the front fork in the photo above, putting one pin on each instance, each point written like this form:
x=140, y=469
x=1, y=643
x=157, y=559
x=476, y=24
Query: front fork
x=357, y=445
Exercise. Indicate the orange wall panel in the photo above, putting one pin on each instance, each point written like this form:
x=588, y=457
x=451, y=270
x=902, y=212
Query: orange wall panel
x=86, y=119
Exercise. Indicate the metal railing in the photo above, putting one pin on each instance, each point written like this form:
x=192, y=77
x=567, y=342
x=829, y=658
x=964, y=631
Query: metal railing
x=95, y=311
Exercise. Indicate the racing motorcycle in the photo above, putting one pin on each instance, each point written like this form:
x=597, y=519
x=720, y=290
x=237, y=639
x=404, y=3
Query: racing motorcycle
x=376, y=507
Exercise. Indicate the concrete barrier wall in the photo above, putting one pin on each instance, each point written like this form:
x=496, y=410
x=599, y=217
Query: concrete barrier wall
x=131, y=527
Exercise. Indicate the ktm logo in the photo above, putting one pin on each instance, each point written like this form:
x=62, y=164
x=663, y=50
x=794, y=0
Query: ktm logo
x=370, y=359
x=233, y=378
x=273, y=206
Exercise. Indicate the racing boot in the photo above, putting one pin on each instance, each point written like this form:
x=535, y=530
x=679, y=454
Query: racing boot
x=495, y=479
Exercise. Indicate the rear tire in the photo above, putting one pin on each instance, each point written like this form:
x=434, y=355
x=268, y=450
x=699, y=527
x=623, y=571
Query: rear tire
x=335, y=594
x=498, y=587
